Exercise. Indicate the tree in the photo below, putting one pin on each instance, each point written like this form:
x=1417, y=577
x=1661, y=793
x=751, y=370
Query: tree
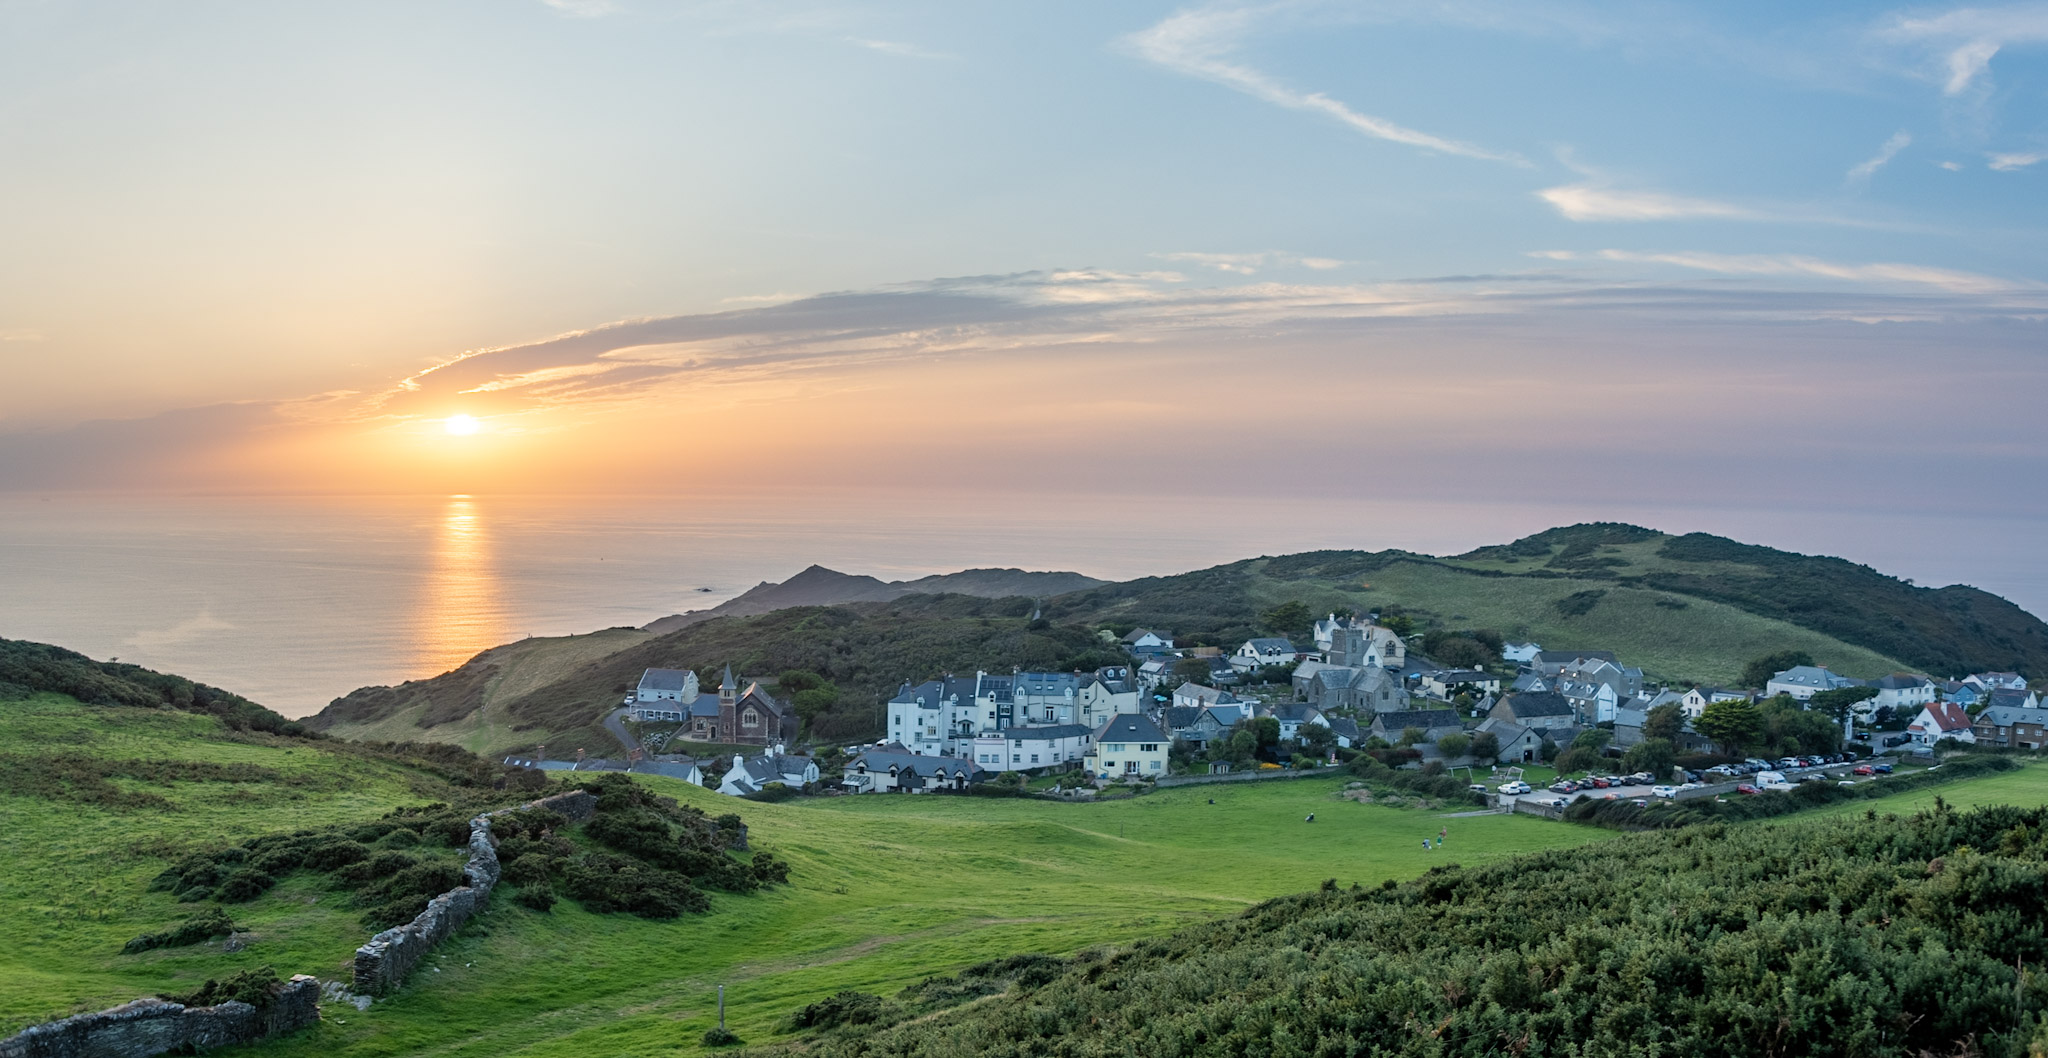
x=1485, y=746
x=1400, y=624
x=1577, y=759
x=1789, y=727
x=1412, y=735
x=1734, y=726
x=1454, y=745
x=1463, y=701
x=1666, y=721
x=1840, y=702
x=1317, y=737
x=1192, y=670
x=1547, y=751
x=1265, y=731
x=1288, y=618
x=1654, y=755
x=1593, y=738
x=1759, y=672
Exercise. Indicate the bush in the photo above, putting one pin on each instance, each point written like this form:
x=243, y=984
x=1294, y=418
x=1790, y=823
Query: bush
x=249, y=986
x=332, y=855
x=718, y=1037
x=244, y=885
x=773, y=793
x=536, y=897
x=402, y=838
x=210, y=923
x=532, y=868
x=842, y=1008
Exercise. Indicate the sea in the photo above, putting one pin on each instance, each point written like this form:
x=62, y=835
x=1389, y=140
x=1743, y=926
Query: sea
x=294, y=601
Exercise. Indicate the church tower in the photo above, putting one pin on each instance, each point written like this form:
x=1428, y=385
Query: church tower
x=728, y=706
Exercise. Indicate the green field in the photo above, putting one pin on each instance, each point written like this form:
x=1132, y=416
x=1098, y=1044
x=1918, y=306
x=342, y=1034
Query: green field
x=884, y=891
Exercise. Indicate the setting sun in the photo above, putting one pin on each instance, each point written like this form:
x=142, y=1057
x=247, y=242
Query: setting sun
x=462, y=425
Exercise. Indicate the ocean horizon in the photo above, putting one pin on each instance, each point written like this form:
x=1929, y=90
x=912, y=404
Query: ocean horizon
x=295, y=601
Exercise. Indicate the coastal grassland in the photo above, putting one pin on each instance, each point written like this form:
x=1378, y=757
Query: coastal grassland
x=2025, y=787
x=886, y=891
x=73, y=888
x=1672, y=637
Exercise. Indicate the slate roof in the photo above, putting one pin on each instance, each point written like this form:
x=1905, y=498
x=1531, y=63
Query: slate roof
x=1046, y=731
x=1293, y=713
x=1140, y=633
x=1898, y=683
x=1423, y=718
x=880, y=760
x=1811, y=676
x=1270, y=645
x=1566, y=657
x=1345, y=727
x=1204, y=694
x=1538, y=704
x=665, y=679
x=1047, y=684
x=1130, y=727
x=2008, y=715
x=672, y=769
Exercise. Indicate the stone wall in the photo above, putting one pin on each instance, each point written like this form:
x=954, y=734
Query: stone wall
x=155, y=1026
x=383, y=964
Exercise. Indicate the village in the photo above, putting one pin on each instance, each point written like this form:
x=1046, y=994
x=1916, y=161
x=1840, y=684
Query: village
x=1583, y=722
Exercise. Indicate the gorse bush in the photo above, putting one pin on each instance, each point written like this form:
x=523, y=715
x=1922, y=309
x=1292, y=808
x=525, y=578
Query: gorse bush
x=254, y=987
x=206, y=925
x=1889, y=937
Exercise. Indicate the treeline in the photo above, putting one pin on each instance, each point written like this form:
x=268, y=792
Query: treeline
x=1884, y=937
x=28, y=668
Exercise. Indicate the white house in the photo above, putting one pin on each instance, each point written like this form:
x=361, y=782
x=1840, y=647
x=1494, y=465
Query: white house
x=1106, y=694
x=1695, y=701
x=1903, y=694
x=1804, y=681
x=1939, y=721
x=1448, y=683
x=1145, y=641
x=1046, y=697
x=1256, y=654
x=1520, y=653
x=1032, y=748
x=750, y=774
x=1129, y=747
x=940, y=717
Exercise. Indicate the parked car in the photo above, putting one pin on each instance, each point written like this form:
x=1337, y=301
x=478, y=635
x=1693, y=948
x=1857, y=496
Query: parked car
x=1514, y=789
x=1477, y=787
x=1882, y=767
x=1897, y=740
x=1663, y=791
x=1789, y=762
x=1599, y=783
x=1863, y=769
x=1746, y=788
x=1846, y=782
x=1642, y=778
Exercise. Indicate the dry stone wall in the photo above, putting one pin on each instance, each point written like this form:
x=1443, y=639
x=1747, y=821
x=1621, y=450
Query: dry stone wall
x=157, y=1026
x=384, y=963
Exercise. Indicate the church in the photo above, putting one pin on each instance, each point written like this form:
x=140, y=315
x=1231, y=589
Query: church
x=750, y=717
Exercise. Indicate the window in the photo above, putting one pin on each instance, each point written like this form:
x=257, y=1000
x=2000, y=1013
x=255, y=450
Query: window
x=1155, y=765
x=751, y=718
x=1034, y=758
x=1149, y=747
x=1015, y=757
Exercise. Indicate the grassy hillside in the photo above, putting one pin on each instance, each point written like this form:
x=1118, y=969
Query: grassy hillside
x=885, y=891
x=1882, y=936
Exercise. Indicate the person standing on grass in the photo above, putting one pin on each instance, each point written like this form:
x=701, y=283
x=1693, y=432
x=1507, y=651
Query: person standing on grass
x=1425, y=844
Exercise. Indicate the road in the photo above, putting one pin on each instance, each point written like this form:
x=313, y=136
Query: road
x=615, y=722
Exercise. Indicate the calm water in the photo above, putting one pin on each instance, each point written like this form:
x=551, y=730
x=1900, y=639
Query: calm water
x=295, y=602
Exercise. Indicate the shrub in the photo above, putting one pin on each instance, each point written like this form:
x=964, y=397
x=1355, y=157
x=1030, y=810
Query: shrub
x=402, y=838
x=773, y=793
x=249, y=986
x=244, y=885
x=532, y=868
x=842, y=1008
x=212, y=922
x=536, y=897
x=330, y=855
x=718, y=1037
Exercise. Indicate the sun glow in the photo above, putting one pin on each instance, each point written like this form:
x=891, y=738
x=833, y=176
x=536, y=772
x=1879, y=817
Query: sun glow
x=462, y=425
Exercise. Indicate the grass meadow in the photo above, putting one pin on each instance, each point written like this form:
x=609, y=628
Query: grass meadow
x=884, y=891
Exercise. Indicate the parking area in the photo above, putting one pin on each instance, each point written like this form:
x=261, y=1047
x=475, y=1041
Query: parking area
x=1751, y=777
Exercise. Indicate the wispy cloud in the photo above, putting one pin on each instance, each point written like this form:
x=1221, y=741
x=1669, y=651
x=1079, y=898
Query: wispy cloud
x=1593, y=202
x=1965, y=40
x=583, y=8
x=1801, y=265
x=2006, y=163
x=897, y=47
x=1200, y=43
x=1249, y=263
x=1862, y=170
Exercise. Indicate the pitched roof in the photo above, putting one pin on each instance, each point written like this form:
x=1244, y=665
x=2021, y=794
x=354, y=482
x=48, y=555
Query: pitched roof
x=1947, y=717
x=1293, y=712
x=1402, y=719
x=665, y=679
x=1131, y=727
x=1899, y=683
x=881, y=759
x=1269, y=645
x=1530, y=704
x=1046, y=731
x=1140, y=633
x=1345, y=727
x=1565, y=657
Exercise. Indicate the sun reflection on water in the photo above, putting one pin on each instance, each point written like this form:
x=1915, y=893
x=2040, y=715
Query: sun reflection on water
x=460, y=611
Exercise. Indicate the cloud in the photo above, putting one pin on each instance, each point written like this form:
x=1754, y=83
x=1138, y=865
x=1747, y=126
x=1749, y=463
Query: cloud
x=22, y=335
x=1798, y=265
x=1953, y=167
x=2006, y=163
x=1965, y=40
x=1198, y=44
x=583, y=8
x=1891, y=148
x=1592, y=202
x=1249, y=263
x=894, y=47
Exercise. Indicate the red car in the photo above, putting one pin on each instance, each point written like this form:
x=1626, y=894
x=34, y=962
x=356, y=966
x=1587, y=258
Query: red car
x=1598, y=783
x=1863, y=769
x=1746, y=788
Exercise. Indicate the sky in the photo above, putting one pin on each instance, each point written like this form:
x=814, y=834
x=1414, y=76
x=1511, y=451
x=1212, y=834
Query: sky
x=1743, y=254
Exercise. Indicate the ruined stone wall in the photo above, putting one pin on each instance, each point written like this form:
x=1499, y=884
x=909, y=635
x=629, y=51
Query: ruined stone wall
x=156, y=1026
x=383, y=964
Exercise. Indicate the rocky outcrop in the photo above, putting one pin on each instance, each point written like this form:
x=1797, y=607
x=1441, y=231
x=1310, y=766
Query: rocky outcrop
x=158, y=1026
x=384, y=963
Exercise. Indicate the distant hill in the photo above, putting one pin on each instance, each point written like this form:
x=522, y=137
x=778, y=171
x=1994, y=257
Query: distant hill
x=28, y=668
x=818, y=586
x=1691, y=608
